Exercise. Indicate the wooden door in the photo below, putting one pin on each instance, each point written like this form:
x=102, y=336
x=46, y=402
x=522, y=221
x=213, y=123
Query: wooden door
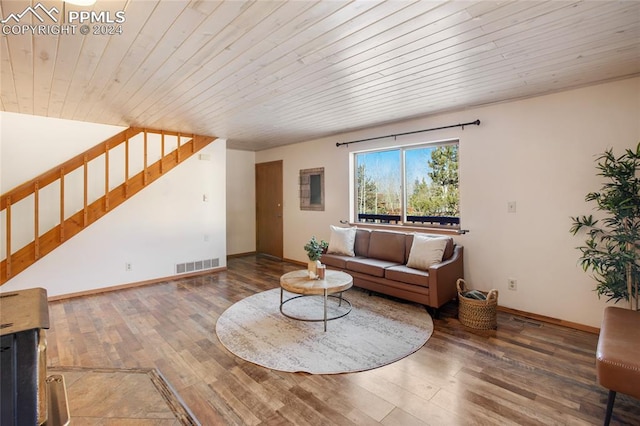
x=269, y=208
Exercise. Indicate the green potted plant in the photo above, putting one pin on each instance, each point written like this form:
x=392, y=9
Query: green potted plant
x=314, y=249
x=612, y=248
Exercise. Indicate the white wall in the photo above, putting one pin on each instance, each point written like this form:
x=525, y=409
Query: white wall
x=538, y=152
x=241, y=202
x=166, y=223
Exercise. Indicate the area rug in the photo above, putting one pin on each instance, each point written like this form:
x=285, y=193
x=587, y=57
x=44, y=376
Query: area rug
x=122, y=396
x=377, y=332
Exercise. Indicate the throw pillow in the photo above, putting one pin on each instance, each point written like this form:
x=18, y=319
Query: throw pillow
x=426, y=251
x=342, y=241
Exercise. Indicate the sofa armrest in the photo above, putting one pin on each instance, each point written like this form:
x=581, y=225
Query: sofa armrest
x=443, y=277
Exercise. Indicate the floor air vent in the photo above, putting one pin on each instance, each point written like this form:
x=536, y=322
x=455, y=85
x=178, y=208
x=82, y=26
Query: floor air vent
x=528, y=322
x=196, y=265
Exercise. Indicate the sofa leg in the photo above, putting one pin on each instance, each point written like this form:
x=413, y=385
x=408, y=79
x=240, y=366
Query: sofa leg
x=610, y=401
x=434, y=312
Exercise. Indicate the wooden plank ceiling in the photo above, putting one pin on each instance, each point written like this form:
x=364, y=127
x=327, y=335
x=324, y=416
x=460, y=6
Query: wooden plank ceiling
x=267, y=73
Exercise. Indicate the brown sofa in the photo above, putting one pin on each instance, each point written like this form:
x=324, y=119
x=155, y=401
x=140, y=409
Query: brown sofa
x=380, y=265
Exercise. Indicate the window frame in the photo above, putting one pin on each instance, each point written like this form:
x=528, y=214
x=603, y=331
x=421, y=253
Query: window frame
x=402, y=222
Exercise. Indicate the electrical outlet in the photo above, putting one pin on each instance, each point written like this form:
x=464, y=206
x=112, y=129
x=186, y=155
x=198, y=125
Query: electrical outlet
x=512, y=284
x=128, y=267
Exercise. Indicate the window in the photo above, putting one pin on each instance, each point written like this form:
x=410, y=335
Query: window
x=415, y=184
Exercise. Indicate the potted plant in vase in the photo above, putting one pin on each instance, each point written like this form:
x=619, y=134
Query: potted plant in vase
x=314, y=249
x=612, y=248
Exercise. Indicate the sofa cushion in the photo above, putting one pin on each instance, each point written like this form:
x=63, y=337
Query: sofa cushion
x=385, y=245
x=426, y=251
x=367, y=265
x=407, y=275
x=361, y=246
x=342, y=240
x=337, y=260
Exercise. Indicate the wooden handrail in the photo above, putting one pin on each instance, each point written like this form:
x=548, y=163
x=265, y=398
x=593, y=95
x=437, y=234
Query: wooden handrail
x=43, y=244
x=23, y=191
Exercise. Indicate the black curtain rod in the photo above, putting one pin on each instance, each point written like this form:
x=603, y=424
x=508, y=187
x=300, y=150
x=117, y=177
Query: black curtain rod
x=475, y=123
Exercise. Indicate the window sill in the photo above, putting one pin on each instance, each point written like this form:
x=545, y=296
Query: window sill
x=408, y=228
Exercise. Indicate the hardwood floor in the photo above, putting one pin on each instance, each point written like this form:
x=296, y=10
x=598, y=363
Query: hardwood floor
x=525, y=373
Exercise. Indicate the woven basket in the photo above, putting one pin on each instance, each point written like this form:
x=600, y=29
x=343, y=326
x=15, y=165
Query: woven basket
x=478, y=314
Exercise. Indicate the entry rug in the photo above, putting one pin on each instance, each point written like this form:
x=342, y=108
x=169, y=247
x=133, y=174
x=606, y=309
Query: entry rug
x=122, y=396
x=377, y=332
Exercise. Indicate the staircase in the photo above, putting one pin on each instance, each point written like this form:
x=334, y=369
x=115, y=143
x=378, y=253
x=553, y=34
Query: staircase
x=131, y=149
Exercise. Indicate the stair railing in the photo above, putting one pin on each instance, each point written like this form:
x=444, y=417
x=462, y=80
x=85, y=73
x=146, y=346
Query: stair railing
x=116, y=191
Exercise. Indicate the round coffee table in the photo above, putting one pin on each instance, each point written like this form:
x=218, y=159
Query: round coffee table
x=298, y=282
